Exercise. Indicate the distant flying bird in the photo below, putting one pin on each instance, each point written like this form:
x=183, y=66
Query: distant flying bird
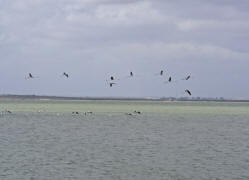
x=187, y=91
x=65, y=74
x=169, y=80
x=160, y=73
x=30, y=76
x=131, y=74
x=186, y=78
x=111, y=84
x=112, y=78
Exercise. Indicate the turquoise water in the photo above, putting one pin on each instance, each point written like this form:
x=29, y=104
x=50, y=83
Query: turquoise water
x=168, y=140
x=163, y=107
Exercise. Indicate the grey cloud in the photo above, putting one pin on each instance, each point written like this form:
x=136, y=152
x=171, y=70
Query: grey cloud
x=94, y=39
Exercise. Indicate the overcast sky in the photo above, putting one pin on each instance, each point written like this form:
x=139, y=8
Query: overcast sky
x=95, y=39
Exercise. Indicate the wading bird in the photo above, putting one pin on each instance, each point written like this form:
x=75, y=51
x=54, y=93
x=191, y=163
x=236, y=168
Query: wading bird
x=88, y=112
x=129, y=114
x=8, y=111
x=137, y=112
x=187, y=91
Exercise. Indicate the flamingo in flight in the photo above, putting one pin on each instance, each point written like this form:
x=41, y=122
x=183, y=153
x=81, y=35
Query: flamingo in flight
x=30, y=76
x=111, y=84
x=66, y=74
x=187, y=91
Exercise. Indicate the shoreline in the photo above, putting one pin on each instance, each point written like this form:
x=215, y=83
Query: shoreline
x=64, y=98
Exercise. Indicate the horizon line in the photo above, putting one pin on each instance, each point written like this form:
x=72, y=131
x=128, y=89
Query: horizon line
x=170, y=98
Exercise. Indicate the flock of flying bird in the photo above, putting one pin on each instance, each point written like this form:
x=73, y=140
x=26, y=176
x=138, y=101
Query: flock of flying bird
x=112, y=79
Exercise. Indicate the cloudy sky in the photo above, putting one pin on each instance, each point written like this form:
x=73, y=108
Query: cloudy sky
x=94, y=39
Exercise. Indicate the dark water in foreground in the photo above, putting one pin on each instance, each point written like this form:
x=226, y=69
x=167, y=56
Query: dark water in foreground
x=175, y=140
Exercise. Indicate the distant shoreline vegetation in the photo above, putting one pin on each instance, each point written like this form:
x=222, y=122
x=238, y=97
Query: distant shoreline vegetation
x=40, y=97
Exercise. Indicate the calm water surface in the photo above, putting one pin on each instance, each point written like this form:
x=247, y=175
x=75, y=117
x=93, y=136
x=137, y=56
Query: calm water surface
x=43, y=140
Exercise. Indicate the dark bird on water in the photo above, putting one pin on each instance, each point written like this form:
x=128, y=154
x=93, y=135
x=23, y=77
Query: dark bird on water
x=129, y=114
x=161, y=72
x=88, y=112
x=8, y=111
x=65, y=74
x=137, y=112
x=187, y=91
x=131, y=74
x=112, y=78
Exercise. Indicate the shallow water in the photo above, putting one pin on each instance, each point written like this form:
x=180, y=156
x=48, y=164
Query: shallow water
x=169, y=140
